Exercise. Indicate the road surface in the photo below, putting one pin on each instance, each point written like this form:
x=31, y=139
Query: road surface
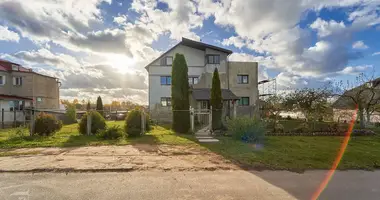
x=224, y=185
x=159, y=185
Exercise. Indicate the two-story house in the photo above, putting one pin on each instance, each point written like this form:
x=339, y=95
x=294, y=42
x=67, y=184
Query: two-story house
x=238, y=79
x=22, y=88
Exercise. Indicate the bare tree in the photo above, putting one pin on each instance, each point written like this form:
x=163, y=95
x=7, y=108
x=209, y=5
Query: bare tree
x=364, y=94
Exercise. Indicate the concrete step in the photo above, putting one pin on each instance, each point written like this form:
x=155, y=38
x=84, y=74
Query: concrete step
x=208, y=140
x=204, y=137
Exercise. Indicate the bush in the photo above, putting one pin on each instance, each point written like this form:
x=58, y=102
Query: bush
x=133, y=123
x=46, y=125
x=70, y=115
x=97, y=123
x=362, y=132
x=112, y=133
x=302, y=128
x=19, y=133
x=246, y=129
x=278, y=128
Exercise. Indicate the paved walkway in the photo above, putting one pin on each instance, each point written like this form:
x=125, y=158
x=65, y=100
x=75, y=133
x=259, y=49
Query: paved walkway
x=203, y=135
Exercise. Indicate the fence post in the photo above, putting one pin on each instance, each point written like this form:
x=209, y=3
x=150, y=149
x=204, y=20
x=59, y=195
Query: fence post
x=14, y=116
x=89, y=123
x=210, y=119
x=234, y=110
x=142, y=122
x=32, y=122
x=2, y=118
x=192, y=119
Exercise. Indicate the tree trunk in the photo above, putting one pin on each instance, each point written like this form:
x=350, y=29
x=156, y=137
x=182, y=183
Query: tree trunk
x=368, y=115
x=361, y=118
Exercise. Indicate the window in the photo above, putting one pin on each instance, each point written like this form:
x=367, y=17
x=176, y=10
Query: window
x=17, y=80
x=166, y=80
x=193, y=80
x=2, y=80
x=244, y=101
x=15, y=105
x=212, y=59
x=166, y=101
x=242, y=79
x=39, y=99
x=14, y=67
x=167, y=60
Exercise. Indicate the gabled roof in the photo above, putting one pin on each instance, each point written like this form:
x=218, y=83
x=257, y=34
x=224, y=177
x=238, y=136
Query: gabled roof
x=195, y=45
x=6, y=65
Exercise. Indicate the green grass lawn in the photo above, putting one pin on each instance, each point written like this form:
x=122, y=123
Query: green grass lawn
x=69, y=136
x=299, y=153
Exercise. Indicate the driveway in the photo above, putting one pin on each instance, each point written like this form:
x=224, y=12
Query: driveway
x=221, y=185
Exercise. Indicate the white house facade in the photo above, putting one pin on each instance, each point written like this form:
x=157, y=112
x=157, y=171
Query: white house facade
x=201, y=59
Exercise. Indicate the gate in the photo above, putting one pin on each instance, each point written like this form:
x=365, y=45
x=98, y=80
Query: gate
x=200, y=118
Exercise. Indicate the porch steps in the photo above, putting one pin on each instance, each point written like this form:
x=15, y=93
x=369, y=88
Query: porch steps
x=204, y=136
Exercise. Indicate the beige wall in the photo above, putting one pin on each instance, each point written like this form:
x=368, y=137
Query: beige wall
x=244, y=90
x=33, y=86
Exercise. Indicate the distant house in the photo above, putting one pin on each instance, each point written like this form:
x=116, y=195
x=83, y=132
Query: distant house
x=344, y=106
x=22, y=88
x=238, y=79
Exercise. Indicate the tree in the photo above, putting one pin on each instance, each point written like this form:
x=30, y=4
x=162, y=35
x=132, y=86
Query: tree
x=70, y=115
x=216, y=101
x=99, y=105
x=311, y=102
x=88, y=106
x=274, y=105
x=180, y=95
x=363, y=94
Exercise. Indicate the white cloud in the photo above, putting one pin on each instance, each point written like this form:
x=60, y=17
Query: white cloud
x=359, y=45
x=8, y=35
x=355, y=70
x=376, y=53
x=236, y=41
x=325, y=28
x=121, y=19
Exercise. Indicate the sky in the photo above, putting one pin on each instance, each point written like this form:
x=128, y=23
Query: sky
x=100, y=47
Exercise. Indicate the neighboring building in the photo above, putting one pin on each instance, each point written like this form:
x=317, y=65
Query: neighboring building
x=22, y=88
x=344, y=106
x=238, y=79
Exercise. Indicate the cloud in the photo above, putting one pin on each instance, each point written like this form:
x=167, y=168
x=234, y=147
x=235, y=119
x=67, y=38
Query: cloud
x=236, y=41
x=326, y=28
x=121, y=19
x=103, y=41
x=359, y=45
x=355, y=70
x=376, y=53
x=8, y=35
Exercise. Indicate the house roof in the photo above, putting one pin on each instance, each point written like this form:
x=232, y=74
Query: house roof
x=6, y=65
x=345, y=102
x=195, y=45
x=14, y=97
x=205, y=93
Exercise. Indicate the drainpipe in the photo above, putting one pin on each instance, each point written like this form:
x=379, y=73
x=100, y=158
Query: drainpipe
x=228, y=83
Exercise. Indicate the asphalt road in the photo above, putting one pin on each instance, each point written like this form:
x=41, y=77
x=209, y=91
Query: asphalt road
x=189, y=185
x=224, y=185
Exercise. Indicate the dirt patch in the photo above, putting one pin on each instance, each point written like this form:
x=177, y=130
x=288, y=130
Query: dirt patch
x=129, y=157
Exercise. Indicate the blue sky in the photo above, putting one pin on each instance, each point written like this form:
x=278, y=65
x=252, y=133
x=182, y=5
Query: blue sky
x=100, y=47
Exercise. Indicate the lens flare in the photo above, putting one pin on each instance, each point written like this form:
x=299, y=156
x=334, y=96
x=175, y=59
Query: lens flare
x=337, y=160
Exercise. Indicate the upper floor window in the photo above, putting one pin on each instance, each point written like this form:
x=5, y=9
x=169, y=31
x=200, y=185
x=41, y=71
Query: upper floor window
x=212, y=59
x=244, y=101
x=166, y=101
x=14, y=67
x=167, y=60
x=39, y=99
x=17, y=80
x=2, y=80
x=242, y=79
x=193, y=80
x=166, y=80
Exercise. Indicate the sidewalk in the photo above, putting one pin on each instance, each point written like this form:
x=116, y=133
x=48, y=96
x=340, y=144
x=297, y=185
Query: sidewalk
x=113, y=158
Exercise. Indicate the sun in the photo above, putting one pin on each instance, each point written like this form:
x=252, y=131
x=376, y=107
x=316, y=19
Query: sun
x=122, y=63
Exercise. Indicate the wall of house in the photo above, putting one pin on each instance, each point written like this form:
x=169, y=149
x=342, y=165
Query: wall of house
x=46, y=89
x=33, y=86
x=245, y=90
